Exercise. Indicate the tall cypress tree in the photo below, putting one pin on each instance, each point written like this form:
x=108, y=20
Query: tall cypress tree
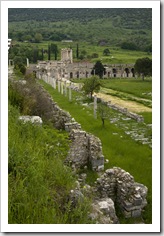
x=77, y=51
x=35, y=55
x=49, y=52
x=54, y=49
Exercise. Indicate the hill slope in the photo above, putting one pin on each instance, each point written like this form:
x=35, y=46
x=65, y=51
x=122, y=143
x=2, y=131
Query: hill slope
x=114, y=26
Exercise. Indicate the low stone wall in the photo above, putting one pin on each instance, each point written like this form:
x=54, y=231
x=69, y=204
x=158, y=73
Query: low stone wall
x=125, y=111
x=120, y=186
x=85, y=149
x=70, y=126
x=96, y=157
x=56, y=115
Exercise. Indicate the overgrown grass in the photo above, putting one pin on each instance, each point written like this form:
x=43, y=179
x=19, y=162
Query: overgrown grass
x=39, y=183
x=119, y=149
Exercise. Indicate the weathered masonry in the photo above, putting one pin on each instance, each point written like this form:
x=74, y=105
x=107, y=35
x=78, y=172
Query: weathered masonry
x=68, y=69
x=120, y=186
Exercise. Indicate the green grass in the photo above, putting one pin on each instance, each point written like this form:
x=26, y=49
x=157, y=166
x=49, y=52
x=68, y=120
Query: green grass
x=117, y=55
x=119, y=149
x=38, y=182
x=127, y=89
x=136, y=87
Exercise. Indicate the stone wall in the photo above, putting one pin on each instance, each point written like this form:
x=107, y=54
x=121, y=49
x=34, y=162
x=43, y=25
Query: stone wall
x=125, y=111
x=120, y=186
x=68, y=69
x=85, y=150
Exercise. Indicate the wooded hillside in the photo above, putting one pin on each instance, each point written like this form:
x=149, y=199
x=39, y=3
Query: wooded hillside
x=107, y=26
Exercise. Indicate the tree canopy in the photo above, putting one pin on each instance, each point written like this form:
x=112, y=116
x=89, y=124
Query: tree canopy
x=143, y=66
x=98, y=69
x=106, y=52
x=102, y=26
x=91, y=85
x=103, y=112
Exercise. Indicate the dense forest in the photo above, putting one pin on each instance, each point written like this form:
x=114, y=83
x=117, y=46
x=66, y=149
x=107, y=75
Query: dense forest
x=124, y=27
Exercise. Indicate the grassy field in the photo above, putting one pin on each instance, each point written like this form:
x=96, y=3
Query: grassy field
x=132, y=89
x=136, y=87
x=117, y=55
x=119, y=149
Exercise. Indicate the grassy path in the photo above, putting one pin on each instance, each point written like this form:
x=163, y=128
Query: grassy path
x=133, y=106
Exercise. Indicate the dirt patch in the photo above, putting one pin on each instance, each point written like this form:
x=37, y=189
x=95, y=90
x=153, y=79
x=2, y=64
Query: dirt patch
x=130, y=105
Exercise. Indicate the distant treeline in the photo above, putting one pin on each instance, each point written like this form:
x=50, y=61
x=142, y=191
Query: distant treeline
x=122, y=17
x=98, y=26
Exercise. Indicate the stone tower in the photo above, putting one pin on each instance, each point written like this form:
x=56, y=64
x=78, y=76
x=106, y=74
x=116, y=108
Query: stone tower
x=66, y=55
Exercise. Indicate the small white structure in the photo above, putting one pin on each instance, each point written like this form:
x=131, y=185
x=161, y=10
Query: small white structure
x=33, y=119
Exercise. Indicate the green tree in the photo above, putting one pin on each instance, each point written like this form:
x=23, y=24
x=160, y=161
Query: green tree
x=129, y=46
x=98, y=69
x=77, y=51
x=106, y=52
x=91, y=85
x=49, y=52
x=54, y=49
x=27, y=37
x=38, y=38
x=103, y=112
x=143, y=67
x=95, y=55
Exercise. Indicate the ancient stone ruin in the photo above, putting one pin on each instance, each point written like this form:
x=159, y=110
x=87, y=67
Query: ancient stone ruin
x=85, y=149
x=120, y=186
x=114, y=187
x=66, y=68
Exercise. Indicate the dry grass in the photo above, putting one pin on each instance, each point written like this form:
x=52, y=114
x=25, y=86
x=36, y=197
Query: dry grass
x=130, y=105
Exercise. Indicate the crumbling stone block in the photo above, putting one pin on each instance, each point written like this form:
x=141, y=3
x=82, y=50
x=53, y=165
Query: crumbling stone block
x=120, y=186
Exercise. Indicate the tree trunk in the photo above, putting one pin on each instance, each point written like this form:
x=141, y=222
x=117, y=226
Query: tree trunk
x=103, y=122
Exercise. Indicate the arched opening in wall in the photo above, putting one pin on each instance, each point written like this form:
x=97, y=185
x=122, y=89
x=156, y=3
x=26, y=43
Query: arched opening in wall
x=86, y=74
x=114, y=72
x=133, y=73
x=77, y=74
x=71, y=75
x=108, y=74
x=127, y=72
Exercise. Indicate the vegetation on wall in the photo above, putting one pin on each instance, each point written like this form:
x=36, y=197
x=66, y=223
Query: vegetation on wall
x=39, y=184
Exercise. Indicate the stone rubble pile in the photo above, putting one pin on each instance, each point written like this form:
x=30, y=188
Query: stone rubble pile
x=120, y=186
x=103, y=211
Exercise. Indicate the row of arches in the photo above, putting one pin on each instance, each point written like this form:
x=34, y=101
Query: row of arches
x=127, y=71
x=113, y=73
x=77, y=74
